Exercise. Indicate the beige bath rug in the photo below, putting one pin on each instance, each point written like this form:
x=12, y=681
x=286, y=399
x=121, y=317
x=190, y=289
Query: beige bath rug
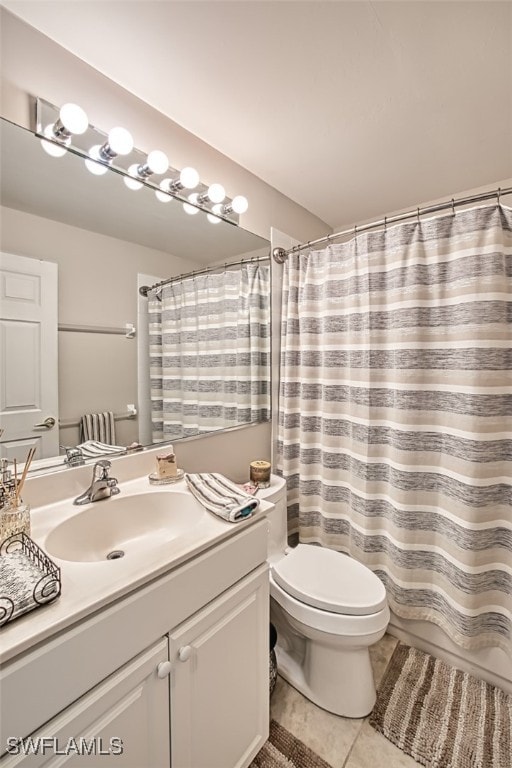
x=441, y=716
x=283, y=750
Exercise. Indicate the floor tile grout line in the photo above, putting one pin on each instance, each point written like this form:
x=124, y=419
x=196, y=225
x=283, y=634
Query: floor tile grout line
x=345, y=762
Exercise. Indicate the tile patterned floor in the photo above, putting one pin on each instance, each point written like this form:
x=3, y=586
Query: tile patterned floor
x=342, y=742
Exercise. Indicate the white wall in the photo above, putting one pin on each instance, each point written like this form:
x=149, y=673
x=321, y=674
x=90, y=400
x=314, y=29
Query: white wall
x=456, y=194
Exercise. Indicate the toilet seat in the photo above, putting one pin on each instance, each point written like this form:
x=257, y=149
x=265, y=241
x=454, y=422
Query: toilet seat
x=330, y=581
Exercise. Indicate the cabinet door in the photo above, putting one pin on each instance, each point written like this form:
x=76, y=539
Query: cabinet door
x=219, y=682
x=122, y=722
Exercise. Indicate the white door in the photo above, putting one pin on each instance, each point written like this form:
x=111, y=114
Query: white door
x=28, y=357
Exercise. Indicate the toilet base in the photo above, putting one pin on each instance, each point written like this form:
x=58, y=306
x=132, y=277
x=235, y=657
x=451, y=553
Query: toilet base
x=334, y=673
x=355, y=698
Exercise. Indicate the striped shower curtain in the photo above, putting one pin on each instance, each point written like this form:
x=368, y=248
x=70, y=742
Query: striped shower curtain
x=209, y=347
x=395, y=425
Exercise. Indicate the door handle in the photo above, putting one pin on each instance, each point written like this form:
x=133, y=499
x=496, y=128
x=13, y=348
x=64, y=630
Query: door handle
x=48, y=423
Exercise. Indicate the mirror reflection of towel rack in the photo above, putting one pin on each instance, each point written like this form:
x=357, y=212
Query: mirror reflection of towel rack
x=117, y=417
x=128, y=330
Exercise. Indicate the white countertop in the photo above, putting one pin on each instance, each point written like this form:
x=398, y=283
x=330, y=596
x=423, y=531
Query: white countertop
x=89, y=586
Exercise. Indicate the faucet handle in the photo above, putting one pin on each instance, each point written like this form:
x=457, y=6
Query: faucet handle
x=101, y=469
x=112, y=484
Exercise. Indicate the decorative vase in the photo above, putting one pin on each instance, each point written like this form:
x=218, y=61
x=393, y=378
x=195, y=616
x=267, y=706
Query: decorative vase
x=14, y=519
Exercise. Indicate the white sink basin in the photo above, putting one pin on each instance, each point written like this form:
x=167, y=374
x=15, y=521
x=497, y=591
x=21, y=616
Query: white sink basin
x=123, y=525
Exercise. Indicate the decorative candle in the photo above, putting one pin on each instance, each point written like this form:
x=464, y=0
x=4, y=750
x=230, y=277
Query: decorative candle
x=259, y=473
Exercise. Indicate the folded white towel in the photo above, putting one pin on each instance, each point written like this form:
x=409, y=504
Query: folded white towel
x=222, y=497
x=92, y=448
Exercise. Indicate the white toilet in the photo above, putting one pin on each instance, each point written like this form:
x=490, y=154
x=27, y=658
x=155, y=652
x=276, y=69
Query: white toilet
x=327, y=609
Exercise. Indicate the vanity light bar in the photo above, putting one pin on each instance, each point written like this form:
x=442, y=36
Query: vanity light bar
x=68, y=128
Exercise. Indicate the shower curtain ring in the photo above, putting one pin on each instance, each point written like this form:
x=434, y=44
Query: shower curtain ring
x=453, y=206
x=499, y=195
x=418, y=215
x=385, y=222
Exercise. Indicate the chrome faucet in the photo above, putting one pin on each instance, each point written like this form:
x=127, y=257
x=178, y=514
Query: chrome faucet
x=74, y=457
x=102, y=486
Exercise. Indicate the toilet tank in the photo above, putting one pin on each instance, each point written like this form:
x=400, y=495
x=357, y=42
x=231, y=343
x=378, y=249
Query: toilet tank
x=277, y=517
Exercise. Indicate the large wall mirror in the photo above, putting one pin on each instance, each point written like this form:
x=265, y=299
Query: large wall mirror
x=78, y=336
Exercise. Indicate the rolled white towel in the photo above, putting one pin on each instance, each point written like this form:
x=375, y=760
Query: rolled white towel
x=222, y=497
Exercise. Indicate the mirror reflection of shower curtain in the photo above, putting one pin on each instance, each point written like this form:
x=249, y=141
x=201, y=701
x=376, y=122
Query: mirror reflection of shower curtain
x=209, y=348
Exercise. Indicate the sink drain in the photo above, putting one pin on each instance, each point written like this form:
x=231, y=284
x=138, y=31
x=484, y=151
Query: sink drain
x=115, y=554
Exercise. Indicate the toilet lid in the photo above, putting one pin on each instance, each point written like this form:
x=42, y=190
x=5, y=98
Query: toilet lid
x=330, y=580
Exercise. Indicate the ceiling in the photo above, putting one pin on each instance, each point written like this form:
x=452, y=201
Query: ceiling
x=352, y=109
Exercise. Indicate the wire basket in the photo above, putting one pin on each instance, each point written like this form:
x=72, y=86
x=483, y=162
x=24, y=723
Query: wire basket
x=28, y=578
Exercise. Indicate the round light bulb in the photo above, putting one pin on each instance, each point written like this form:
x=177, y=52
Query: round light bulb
x=54, y=150
x=73, y=118
x=131, y=180
x=191, y=209
x=157, y=161
x=120, y=141
x=189, y=177
x=162, y=196
x=97, y=168
x=240, y=204
x=216, y=193
x=216, y=209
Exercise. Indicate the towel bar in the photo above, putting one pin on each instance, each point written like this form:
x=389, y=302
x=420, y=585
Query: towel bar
x=128, y=330
x=117, y=417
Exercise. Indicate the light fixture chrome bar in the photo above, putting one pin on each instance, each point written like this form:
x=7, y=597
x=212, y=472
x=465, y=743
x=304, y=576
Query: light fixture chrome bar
x=280, y=254
x=92, y=137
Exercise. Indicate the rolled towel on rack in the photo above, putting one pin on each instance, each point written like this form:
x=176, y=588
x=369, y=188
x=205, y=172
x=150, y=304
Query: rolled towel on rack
x=222, y=497
x=98, y=426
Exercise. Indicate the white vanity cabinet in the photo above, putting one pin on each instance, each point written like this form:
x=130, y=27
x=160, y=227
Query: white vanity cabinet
x=219, y=680
x=177, y=671
x=123, y=721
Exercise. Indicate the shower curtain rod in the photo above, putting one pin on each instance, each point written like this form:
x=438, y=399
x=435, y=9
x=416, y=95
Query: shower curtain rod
x=280, y=254
x=144, y=289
